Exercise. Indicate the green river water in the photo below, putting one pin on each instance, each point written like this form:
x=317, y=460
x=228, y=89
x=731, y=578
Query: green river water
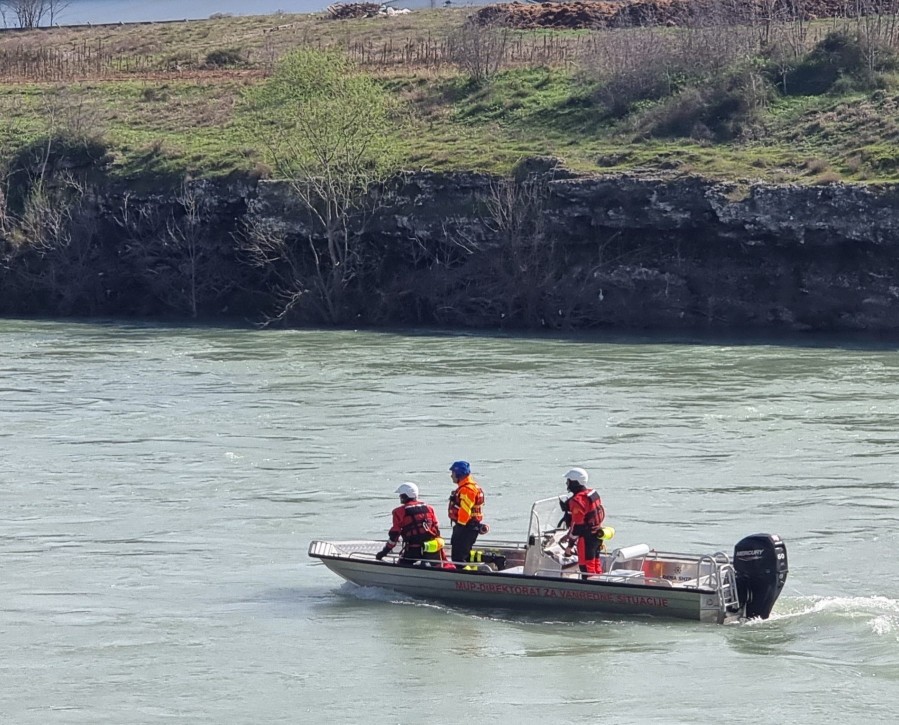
x=159, y=488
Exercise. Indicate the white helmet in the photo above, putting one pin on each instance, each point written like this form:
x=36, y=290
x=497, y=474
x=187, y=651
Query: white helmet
x=408, y=489
x=577, y=474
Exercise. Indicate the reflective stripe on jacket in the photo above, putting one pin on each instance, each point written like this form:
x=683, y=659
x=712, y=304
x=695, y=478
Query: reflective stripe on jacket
x=465, y=502
x=415, y=521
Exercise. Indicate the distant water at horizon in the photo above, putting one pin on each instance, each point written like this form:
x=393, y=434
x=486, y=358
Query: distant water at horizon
x=81, y=12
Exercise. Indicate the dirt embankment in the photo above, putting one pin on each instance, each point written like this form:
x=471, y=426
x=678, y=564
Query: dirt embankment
x=634, y=13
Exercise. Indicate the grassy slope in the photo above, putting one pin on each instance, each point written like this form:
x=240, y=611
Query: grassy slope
x=164, y=115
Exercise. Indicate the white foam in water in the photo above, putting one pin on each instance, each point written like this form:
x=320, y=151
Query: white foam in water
x=885, y=611
x=857, y=605
x=885, y=624
x=377, y=594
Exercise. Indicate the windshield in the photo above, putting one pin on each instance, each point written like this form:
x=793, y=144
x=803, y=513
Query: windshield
x=546, y=519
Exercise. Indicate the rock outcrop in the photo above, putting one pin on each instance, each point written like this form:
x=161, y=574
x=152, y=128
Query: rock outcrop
x=555, y=251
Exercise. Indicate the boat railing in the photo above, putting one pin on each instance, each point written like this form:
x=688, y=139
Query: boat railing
x=730, y=597
x=344, y=549
x=707, y=572
x=714, y=571
x=362, y=555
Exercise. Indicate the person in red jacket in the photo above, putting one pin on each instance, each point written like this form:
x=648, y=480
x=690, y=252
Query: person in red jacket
x=586, y=516
x=466, y=514
x=416, y=524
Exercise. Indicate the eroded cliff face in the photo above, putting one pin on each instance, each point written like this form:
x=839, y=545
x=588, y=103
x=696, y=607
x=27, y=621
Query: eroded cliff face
x=468, y=250
x=631, y=252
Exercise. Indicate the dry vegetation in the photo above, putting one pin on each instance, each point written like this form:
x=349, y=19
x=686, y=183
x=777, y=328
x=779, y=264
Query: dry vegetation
x=723, y=87
x=252, y=43
x=595, y=14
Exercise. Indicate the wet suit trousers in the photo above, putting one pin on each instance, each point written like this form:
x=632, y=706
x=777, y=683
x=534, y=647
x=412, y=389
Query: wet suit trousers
x=462, y=540
x=588, y=554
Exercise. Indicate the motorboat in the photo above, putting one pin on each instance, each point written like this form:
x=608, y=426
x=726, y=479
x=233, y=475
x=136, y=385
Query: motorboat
x=536, y=574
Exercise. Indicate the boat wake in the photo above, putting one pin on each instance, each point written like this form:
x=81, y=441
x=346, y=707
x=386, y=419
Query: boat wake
x=377, y=594
x=881, y=613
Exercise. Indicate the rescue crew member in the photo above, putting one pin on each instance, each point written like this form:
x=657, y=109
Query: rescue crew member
x=465, y=512
x=416, y=524
x=585, y=511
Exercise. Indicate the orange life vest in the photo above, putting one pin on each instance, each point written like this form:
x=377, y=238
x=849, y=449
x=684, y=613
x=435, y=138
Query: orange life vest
x=466, y=502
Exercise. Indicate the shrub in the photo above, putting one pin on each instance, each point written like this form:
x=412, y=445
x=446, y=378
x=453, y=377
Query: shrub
x=619, y=93
x=224, y=58
x=827, y=177
x=152, y=94
x=648, y=64
x=841, y=62
x=51, y=154
x=722, y=110
x=180, y=60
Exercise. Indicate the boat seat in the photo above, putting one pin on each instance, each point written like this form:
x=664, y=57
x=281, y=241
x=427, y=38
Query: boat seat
x=625, y=557
x=618, y=575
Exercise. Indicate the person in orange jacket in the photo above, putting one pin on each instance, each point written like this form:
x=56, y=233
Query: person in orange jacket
x=465, y=512
x=415, y=522
x=586, y=513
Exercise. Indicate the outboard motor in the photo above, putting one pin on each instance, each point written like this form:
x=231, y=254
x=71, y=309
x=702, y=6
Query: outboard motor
x=760, y=562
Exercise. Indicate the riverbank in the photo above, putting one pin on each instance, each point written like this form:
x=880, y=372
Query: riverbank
x=611, y=252
x=545, y=190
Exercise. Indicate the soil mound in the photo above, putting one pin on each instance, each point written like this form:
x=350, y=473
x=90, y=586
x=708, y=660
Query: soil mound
x=342, y=11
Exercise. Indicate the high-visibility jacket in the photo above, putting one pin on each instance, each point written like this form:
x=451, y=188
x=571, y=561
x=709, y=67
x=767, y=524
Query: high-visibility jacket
x=587, y=512
x=466, y=502
x=415, y=522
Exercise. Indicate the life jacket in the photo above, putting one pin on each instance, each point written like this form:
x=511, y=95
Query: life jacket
x=587, y=512
x=472, y=493
x=419, y=523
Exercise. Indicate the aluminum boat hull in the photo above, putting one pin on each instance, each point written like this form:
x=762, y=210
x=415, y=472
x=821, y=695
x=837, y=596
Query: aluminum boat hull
x=489, y=590
x=539, y=574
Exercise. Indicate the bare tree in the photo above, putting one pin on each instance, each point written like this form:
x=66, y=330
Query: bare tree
x=877, y=28
x=172, y=249
x=49, y=238
x=189, y=237
x=516, y=215
x=31, y=13
x=479, y=51
x=268, y=248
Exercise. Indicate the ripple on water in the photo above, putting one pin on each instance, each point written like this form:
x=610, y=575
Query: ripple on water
x=161, y=486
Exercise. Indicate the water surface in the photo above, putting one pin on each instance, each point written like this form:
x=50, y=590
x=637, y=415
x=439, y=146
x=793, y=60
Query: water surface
x=159, y=488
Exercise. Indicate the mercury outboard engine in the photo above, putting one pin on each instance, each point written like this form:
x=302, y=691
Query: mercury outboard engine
x=760, y=561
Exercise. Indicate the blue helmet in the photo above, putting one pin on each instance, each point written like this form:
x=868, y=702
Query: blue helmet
x=461, y=468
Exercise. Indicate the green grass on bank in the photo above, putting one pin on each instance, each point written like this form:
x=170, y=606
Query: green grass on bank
x=167, y=127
